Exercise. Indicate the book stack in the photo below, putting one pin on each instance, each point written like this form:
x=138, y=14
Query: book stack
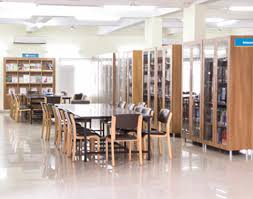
x=11, y=67
x=23, y=66
x=47, y=79
x=35, y=66
x=11, y=79
x=35, y=79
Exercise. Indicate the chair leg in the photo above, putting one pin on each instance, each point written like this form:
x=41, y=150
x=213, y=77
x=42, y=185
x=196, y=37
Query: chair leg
x=140, y=151
x=160, y=146
x=49, y=129
x=112, y=151
x=74, y=151
x=169, y=147
x=129, y=151
x=106, y=150
x=98, y=148
x=145, y=140
x=43, y=128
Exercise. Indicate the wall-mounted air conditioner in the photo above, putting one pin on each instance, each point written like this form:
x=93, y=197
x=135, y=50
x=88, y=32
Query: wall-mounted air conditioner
x=30, y=40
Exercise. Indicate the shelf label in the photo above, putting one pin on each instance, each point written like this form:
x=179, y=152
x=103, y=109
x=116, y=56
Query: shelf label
x=243, y=42
x=30, y=55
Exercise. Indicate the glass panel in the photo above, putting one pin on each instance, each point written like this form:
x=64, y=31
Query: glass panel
x=186, y=89
x=208, y=98
x=152, y=79
x=222, y=51
x=160, y=81
x=168, y=77
x=196, y=77
x=130, y=79
x=145, y=77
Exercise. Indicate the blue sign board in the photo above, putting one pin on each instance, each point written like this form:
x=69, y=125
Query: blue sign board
x=244, y=42
x=30, y=55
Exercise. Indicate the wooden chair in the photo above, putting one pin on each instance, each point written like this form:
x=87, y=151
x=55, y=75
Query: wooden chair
x=19, y=109
x=58, y=122
x=164, y=118
x=130, y=107
x=44, y=121
x=143, y=104
x=76, y=134
x=121, y=104
x=12, y=106
x=125, y=121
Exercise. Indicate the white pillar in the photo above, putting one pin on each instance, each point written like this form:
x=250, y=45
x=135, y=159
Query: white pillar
x=194, y=23
x=153, y=32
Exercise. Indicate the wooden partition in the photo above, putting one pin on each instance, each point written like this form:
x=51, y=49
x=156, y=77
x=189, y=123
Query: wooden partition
x=22, y=75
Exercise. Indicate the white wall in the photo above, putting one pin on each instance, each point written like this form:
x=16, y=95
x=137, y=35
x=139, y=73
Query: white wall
x=65, y=43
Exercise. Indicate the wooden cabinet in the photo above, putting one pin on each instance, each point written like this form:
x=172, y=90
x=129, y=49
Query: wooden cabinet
x=225, y=95
x=22, y=75
x=162, y=82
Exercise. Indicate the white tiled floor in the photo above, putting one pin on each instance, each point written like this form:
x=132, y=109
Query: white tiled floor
x=32, y=169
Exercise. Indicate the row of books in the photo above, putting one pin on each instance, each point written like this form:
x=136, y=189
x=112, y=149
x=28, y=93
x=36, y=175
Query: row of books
x=29, y=79
x=29, y=66
x=23, y=90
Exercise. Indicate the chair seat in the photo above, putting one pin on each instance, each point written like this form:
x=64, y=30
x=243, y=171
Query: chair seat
x=88, y=132
x=154, y=133
x=123, y=137
x=24, y=107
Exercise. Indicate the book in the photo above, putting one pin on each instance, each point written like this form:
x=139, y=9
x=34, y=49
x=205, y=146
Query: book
x=22, y=90
x=11, y=67
x=11, y=91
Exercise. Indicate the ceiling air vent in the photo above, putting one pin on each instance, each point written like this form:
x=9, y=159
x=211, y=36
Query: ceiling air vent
x=29, y=40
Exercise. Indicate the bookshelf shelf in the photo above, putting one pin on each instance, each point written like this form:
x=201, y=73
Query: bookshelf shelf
x=162, y=82
x=27, y=74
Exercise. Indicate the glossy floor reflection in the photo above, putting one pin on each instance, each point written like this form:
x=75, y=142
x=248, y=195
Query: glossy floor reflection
x=30, y=168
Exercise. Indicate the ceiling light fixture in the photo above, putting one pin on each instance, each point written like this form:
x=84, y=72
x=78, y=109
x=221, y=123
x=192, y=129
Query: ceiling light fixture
x=227, y=23
x=214, y=20
x=241, y=8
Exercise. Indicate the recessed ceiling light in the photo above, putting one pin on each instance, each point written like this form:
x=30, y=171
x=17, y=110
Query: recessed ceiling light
x=241, y=8
x=214, y=20
x=227, y=23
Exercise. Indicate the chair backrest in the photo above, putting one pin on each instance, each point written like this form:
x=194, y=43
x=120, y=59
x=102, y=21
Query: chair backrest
x=56, y=117
x=80, y=102
x=53, y=99
x=138, y=109
x=130, y=107
x=146, y=111
x=78, y=96
x=17, y=101
x=121, y=104
x=43, y=110
x=70, y=118
x=165, y=117
x=126, y=122
x=141, y=104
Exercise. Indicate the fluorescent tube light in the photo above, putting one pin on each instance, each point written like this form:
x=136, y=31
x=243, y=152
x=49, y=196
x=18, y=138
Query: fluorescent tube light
x=214, y=20
x=227, y=23
x=241, y=8
x=127, y=8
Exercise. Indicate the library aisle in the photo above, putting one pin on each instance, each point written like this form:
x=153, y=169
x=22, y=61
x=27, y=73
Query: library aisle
x=30, y=167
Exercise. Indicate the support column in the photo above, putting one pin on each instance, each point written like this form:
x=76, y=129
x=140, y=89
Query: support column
x=153, y=32
x=194, y=23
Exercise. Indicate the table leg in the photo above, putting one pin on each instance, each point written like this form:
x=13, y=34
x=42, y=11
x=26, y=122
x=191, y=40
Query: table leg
x=149, y=147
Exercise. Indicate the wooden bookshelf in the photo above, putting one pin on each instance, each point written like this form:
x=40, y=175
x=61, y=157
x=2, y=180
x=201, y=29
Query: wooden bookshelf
x=27, y=74
x=225, y=98
x=162, y=82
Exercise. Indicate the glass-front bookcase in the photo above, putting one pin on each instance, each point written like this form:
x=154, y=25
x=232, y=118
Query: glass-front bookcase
x=209, y=59
x=186, y=88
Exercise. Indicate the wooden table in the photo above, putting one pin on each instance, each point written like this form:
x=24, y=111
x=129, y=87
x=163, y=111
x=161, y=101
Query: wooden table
x=66, y=98
x=101, y=111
